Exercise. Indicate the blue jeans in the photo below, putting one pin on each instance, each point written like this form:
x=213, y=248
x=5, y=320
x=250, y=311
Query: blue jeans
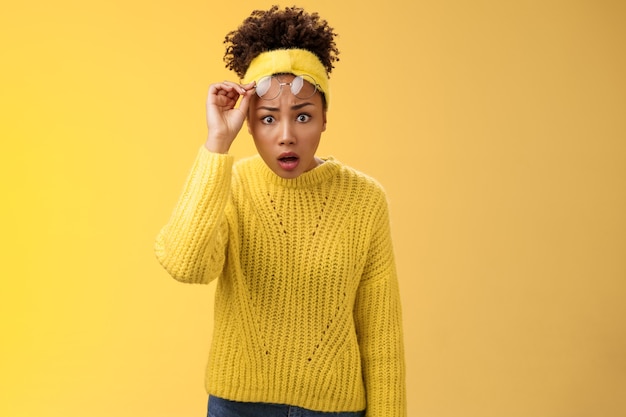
x=219, y=407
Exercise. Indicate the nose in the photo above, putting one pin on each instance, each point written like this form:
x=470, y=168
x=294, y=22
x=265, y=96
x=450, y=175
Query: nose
x=287, y=134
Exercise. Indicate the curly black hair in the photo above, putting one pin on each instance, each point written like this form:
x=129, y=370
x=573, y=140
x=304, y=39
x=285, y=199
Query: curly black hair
x=267, y=30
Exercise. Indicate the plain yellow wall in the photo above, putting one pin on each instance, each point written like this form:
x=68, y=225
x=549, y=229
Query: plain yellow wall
x=498, y=129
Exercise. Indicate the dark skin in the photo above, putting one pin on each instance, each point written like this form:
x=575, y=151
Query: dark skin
x=224, y=119
x=286, y=130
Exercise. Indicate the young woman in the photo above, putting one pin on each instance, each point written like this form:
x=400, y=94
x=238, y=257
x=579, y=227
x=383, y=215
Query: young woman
x=307, y=307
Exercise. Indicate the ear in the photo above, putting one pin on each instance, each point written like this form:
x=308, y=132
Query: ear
x=324, y=121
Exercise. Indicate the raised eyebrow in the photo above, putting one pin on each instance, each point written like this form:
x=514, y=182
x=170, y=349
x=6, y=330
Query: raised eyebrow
x=301, y=105
x=267, y=108
x=296, y=107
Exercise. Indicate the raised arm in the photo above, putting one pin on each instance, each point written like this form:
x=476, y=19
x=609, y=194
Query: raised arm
x=224, y=120
x=191, y=246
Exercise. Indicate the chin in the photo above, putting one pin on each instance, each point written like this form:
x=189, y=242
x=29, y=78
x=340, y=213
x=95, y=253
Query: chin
x=288, y=175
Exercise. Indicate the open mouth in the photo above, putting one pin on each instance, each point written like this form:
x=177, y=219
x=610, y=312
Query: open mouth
x=288, y=161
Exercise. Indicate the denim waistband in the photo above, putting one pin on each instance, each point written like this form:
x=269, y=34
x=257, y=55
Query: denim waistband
x=220, y=407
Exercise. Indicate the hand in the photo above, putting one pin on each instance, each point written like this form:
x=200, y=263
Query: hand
x=224, y=120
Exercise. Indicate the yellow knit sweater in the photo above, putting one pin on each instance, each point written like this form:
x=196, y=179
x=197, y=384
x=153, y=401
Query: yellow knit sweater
x=307, y=307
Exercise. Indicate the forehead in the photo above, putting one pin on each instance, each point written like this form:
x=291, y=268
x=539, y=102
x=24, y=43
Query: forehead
x=287, y=101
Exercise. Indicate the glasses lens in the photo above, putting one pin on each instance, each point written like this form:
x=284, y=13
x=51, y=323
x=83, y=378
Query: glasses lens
x=269, y=87
x=264, y=85
x=303, y=86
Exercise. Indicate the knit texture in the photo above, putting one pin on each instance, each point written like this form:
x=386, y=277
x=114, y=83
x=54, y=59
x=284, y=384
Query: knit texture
x=307, y=307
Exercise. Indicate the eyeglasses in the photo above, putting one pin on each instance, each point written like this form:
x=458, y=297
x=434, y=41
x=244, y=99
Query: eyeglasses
x=270, y=87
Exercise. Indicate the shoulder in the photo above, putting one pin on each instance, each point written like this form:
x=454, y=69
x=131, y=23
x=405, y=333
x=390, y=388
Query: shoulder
x=244, y=164
x=360, y=180
x=248, y=169
x=364, y=189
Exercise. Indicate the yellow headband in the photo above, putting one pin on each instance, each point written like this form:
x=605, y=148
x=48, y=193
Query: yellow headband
x=288, y=61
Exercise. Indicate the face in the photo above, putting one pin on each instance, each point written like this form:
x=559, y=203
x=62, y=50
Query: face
x=287, y=130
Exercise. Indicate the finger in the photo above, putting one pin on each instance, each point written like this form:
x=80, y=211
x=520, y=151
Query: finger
x=245, y=101
x=225, y=88
x=233, y=86
x=221, y=91
x=249, y=86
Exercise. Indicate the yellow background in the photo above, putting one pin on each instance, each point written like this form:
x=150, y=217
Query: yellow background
x=498, y=129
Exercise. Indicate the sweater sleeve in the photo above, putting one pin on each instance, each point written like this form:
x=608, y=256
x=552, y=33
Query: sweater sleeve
x=192, y=245
x=378, y=320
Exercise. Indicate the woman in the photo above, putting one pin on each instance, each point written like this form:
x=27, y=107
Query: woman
x=307, y=307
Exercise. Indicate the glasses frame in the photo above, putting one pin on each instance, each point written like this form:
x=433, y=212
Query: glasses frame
x=293, y=85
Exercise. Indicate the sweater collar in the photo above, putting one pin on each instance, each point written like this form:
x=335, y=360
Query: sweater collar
x=317, y=175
